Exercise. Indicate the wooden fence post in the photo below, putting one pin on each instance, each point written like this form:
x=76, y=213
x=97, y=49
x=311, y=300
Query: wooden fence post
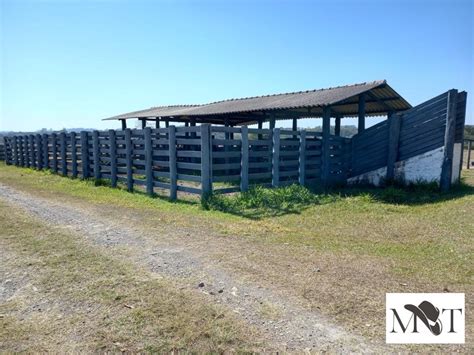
x=31, y=151
x=54, y=148
x=85, y=154
x=172, y=162
x=148, y=161
x=326, y=146
x=96, y=154
x=447, y=166
x=113, y=157
x=62, y=140
x=45, y=144
x=39, y=152
x=206, y=183
x=302, y=159
x=20, y=150
x=128, y=159
x=73, y=155
x=394, y=123
x=276, y=158
x=469, y=147
x=15, y=151
x=244, y=165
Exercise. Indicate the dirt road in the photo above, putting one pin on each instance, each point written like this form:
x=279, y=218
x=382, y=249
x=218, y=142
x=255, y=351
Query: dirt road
x=190, y=257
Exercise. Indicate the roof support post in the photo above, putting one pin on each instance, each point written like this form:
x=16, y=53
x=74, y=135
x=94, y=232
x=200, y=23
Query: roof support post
x=272, y=122
x=193, y=124
x=157, y=123
x=124, y=124
x=361, y=125
x=260, y=126
x=167, y=123
x=295, y=124
x=143, y=122
x=326, y=154
x=337, y=128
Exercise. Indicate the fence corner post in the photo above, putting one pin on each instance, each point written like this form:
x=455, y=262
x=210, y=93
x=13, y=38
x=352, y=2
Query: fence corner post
x=449, y=134
x=394, y=124
x=172, y=162
x=148, y=161
x=302, y=159
x=244, y=165
x=206, y=183
x=276, y=158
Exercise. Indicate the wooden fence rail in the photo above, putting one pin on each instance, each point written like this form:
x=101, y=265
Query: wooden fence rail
x=196, y=160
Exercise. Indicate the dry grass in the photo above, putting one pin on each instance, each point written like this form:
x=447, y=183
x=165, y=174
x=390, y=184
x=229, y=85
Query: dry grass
x=339, y=257
x=66, y=296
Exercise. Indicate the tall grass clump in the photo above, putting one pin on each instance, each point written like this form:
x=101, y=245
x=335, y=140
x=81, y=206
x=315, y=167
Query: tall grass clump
x=261, y=202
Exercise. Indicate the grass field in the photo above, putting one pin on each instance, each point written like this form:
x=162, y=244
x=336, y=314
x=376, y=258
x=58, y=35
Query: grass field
x=338, y=253
x=89, y=301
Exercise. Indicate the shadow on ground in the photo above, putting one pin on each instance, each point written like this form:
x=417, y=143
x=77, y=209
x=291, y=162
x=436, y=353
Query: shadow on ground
x=259, y=203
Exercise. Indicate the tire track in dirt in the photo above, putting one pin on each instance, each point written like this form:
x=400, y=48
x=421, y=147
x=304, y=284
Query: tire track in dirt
x=294, y=328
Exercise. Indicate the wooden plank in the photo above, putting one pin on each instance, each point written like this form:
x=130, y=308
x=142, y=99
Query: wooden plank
x=187, y=177
x=173, y=167
x=226, y=190
x=190, y=166
x=447, y=167
x=189, y=189
x=148, y=162
x=276, y=158
x=256, y=176
x=225, y=166
x=226, y=178
x=244, y=168
x=189, y=154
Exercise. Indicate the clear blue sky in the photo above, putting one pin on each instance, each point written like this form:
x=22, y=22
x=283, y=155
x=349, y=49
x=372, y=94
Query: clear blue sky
x=70, y=63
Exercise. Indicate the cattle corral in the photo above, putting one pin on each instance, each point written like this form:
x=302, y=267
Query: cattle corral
x=222, y=154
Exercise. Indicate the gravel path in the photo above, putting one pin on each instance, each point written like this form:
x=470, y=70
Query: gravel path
x=292, y=328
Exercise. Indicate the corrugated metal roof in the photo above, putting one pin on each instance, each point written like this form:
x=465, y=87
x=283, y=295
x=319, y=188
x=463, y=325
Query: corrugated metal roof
x=382, y=98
